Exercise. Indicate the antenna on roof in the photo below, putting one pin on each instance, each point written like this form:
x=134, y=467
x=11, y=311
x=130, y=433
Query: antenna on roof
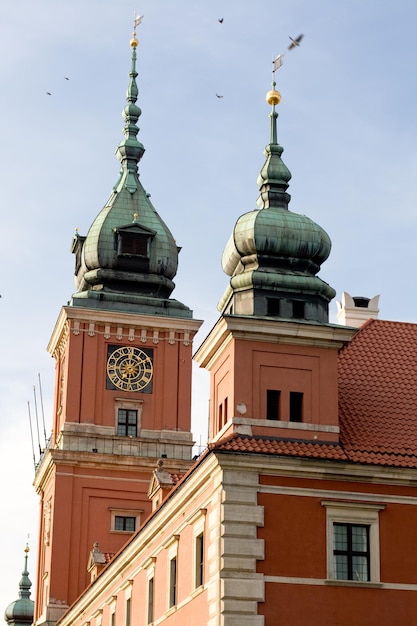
x=43, y=413
x=31, y=437
x=37, y=419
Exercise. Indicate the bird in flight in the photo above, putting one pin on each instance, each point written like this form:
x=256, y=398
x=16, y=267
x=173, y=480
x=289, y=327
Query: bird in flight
x=295, y=42
x=66, y=77
x=221, y=20
x=48, y=93
x=217, y=95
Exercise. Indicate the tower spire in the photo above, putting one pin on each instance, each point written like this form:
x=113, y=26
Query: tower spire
x=274, y=176
x=20, y=612
x=129, y=257
x=130, y=150
x=273, y=255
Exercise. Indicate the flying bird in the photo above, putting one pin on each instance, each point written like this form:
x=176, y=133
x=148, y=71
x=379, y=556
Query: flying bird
x=295, y=42
x=217, y=95
x=48, y=93
x=66, y=77
x=221, y=20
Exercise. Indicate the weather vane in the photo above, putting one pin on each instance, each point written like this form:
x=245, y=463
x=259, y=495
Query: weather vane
x=137, y=20
x=279, y=60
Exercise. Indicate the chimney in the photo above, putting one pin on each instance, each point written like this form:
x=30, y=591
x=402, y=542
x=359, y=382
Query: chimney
x=357, y=310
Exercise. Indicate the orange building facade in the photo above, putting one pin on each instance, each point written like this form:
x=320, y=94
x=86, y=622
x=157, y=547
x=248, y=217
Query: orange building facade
x=303, y=507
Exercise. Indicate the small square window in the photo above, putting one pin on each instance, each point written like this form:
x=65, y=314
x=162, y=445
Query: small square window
x=273, y=307
x=127, y=423
x=125, y=523
x=135, y=244
x=298, y=309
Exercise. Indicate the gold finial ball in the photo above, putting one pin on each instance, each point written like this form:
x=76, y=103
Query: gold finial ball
x=134, y=42
x=273, y=97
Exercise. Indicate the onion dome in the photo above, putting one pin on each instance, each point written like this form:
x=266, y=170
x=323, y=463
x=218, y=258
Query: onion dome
x=20, y=612
x=129, y=257
x=273, y=254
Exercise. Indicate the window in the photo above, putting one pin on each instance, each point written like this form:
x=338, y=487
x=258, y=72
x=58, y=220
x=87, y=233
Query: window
x=223, y=410
x=351, y=552
x=133, y=243
x=128, y=611
x=124, y=520
x=151, y=592
x=199, y=560
x=298, y=309
x=113, y=619
x=272, y=404
x=173, y=582
x=352, y=541
x=125, y=523
x=273, y=307
x=127, y=423
x=296, y=406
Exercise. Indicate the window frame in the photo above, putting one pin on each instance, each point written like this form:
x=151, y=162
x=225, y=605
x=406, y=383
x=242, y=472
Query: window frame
x=296, y=407
x=355, y=514
x=273, y=405
x=173, y=581
x=199, y=560
x=126, y=424
x=128, y=405
x=125, y=518
x=150, y=600
x=127, y=513
x=350, y=553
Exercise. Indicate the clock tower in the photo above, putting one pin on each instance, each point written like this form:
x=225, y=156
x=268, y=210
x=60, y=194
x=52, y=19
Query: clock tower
x=123, y=350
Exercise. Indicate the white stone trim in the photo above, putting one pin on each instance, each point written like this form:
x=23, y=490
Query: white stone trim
x=129, y=405
x=136, y=513
x=353, y=513
x=345, y=496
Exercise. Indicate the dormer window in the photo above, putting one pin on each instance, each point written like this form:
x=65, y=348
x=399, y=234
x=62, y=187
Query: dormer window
x=132, y=245
x=77, y=248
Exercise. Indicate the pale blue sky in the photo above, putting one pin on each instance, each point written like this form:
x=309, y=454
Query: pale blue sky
x=347, y=122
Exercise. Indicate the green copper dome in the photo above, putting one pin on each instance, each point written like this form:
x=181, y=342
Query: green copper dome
x=273, y=254
x=20, y=612
x=129, y=257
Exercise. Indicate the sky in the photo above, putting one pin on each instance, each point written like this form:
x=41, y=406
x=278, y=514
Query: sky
x=347, y=122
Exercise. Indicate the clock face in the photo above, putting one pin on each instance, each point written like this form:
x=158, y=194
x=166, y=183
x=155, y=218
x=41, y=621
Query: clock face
x=129, y=368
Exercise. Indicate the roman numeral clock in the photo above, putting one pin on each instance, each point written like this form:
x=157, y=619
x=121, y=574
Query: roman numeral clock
x=129, y=368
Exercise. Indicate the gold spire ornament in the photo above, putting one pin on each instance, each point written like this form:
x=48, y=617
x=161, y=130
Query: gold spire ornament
x=273, y=97
x=136, y=22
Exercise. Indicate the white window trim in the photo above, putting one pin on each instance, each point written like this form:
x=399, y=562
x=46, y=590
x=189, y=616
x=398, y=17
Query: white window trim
x=128, y=405
x=353, y=513
x=136, y=513
x=198, y=529
x=150, y=573
x=172, y=553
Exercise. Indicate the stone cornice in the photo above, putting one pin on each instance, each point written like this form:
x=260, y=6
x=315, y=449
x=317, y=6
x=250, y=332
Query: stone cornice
x=143, y=327
x=269, y=330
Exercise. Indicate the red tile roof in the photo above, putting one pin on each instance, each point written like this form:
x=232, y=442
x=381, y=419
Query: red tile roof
x=377, y=403
x=176, y=477
x=378, y=394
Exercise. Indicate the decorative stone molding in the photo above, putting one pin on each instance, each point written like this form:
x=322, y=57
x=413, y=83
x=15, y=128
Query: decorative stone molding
x=235, y=586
